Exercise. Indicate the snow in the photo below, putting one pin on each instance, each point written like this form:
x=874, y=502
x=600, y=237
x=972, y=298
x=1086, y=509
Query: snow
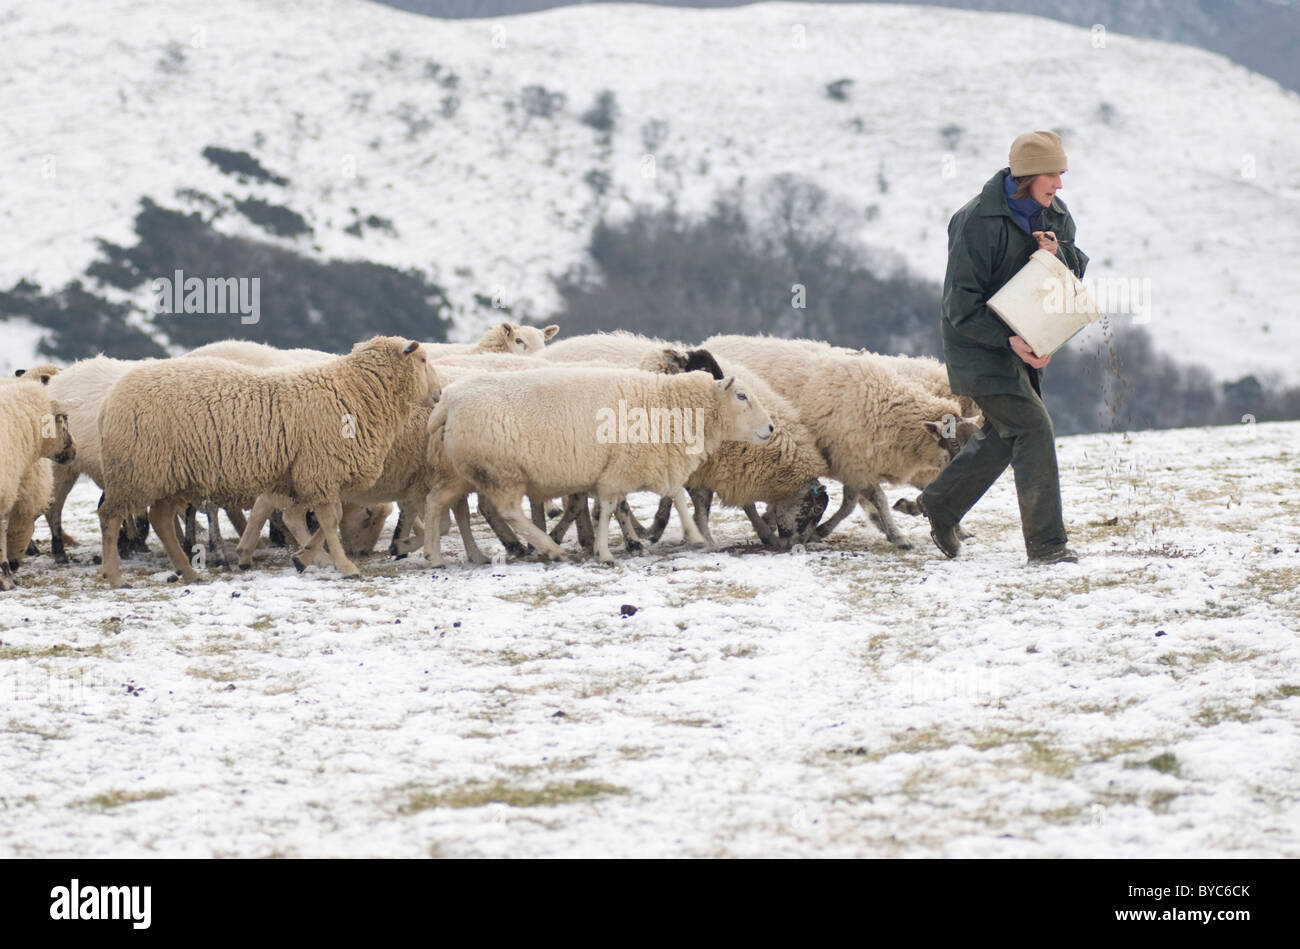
x=1191, y=183
x=849, y=700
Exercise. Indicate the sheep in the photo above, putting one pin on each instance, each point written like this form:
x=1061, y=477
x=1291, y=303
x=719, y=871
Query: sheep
x=781, y=473
x=30, y=430
x=258, y=355
x=873, y=424
x=221, y=431
x=79, y=391
x=406, y=477
x=565, y=430
x=41, y=372
x=509, y=338
x=596, y=351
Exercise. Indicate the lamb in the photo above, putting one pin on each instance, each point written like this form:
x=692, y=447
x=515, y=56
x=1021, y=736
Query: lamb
x=30, y=430
x=566, y=430
x=510, y=338
x=258, y=355
x=221, y=431
x=872, y=424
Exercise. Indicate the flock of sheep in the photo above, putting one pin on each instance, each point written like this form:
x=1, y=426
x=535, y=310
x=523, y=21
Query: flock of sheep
x=341, y=439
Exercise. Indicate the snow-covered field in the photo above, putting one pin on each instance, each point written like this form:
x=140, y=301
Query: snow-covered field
x=1184, y=168
x=852, y=700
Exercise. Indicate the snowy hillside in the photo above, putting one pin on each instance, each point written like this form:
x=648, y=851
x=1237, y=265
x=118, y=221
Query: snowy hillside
x=1185, y=169
x=850, y=701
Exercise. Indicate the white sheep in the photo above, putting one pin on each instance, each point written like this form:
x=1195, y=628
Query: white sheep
x=509, y=338
x=873, y=424
x=565, y=430
x=30, y=430
x=217, y=430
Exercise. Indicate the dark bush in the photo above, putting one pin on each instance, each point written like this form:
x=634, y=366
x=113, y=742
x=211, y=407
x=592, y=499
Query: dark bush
x=242, y=165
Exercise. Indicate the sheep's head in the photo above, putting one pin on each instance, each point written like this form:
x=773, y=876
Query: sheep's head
x=743, y=418
x=517, y=339
x=56, y=440
x=948, y=435
x=798, y=514
x=428, y=388
x=42, y=373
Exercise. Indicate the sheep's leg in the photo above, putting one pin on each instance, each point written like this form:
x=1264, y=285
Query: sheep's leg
x=308, y=539
x=6, y=575
x=191, y=526
x=662, y=515
x=328, y=516
x=275, y=533
x=472, y=550
x=263, y=508
x=846, y=508
x=510, y=507
x=497, y=521
x=64, y=479
x=605, y=505
x=236, y=518
x=702, y=499
x=217, y=545
x=693, y=535
x=586, y=529
x=110, y=566
x=537, y=505
x=162, y=516
x=877, y=507
x=761, y=527
x=637, y=530
x=567, y=517
x=399, y=533
x=627, y=524
x=435, y=502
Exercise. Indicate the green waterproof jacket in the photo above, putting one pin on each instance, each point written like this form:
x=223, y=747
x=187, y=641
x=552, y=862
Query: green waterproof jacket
x=986, y=247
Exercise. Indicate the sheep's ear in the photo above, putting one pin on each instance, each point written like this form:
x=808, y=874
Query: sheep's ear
x=935, y=429
x=19, y=372
x=674, y=361
x=549, y=332
x=410, y=347
x=45, y=378
x=724, y=384
x=508, y=330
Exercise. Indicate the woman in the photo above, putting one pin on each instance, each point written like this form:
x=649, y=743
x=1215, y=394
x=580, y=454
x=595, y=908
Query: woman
x=989, y=240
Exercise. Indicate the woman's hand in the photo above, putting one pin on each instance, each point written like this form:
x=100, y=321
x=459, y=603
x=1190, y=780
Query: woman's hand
x=1026, y=352
x=1046, y=241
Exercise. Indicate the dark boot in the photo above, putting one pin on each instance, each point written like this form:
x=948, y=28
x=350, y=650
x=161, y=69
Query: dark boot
x=943, y=534
x=1059, y=554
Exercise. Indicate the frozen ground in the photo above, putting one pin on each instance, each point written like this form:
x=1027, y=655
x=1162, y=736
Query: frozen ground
x=850, y=701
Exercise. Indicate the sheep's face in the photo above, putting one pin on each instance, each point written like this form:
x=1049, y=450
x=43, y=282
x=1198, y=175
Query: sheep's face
x=526, y=340
x=744, y=419
x=56, y=440
x=428, y=389
x=947, y=437
x=42, y=373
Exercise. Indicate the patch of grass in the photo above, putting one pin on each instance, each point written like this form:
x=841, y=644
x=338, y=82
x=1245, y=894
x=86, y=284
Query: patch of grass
x=1274, y=580
x=739, y=652
x=216, y=675
x=478, y=794
x=115, y=798
x=57, y=651
x=542, y=595
x=263, y=622
x=1210, y=715
x=716, y=591
x=22, y=728
x=1165, y=762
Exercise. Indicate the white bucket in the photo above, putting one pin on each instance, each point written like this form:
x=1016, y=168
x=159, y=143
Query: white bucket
x=1045, y=304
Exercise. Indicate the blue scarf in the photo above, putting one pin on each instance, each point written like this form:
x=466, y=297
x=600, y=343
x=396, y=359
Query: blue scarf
x=1023, y=209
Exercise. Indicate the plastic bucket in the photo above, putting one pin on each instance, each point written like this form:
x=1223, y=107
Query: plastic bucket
x=1045, y=303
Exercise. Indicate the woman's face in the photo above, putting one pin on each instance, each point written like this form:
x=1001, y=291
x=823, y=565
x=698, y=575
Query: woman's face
x=1042, y=188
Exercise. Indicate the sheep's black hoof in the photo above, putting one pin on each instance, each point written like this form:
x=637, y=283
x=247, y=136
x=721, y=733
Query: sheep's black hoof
x=397, y=556
x=298, y=564
x=13, y=566
x=245, y=566
x=699, y=545
x=903, y=546
x=97, y=559
x=173, y=578
x=32, y=549
x=351, y=576
x=61, y=558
